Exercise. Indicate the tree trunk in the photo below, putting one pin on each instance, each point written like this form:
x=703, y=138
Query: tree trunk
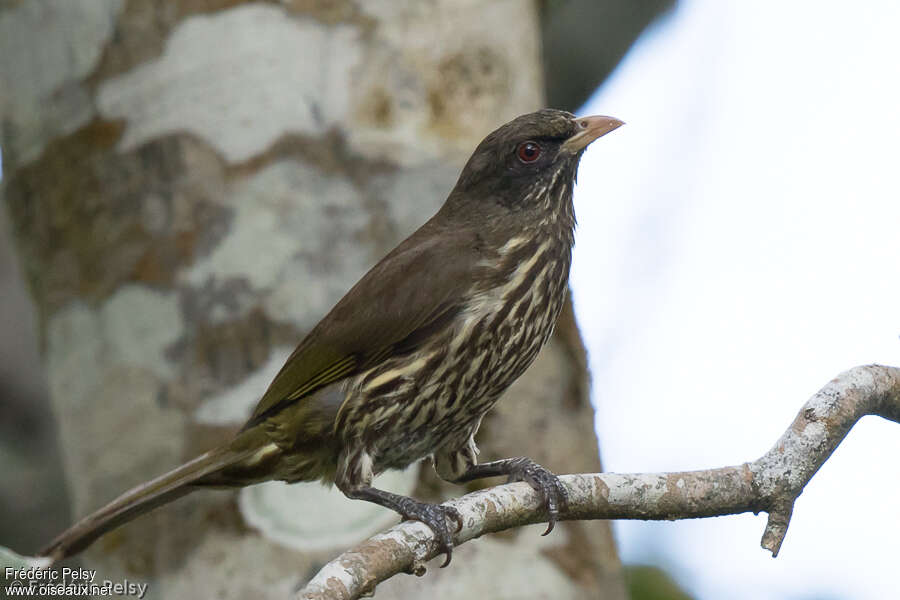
x=191, y=186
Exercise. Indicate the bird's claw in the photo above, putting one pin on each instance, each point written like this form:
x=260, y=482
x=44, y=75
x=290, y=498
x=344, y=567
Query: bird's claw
x=436, y=517
x=553, y=492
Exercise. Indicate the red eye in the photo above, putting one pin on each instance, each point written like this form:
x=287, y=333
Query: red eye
x=528, y=151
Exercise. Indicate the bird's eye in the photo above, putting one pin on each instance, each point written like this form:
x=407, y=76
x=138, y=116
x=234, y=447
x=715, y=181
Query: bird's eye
x=528, y=152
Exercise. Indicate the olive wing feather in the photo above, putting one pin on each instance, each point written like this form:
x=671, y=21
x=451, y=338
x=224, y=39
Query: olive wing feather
x=412, y=291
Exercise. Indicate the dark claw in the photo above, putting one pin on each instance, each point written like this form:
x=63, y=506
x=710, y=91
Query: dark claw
x=454, y=514
x=545, y=483
x=435, y=516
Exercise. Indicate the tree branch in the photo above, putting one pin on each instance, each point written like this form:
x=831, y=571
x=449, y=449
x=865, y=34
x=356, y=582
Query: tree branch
x=770, y=483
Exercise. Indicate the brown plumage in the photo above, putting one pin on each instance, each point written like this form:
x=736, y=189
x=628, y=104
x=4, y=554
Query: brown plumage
x=412, y=357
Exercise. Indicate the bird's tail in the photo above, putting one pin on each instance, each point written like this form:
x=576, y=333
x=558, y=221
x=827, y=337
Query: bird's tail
x=141, y=499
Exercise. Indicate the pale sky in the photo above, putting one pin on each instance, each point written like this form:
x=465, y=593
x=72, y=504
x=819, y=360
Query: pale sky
x=738, y=247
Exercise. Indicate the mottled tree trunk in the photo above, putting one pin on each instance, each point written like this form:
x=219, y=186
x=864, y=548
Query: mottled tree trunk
x=191, y=186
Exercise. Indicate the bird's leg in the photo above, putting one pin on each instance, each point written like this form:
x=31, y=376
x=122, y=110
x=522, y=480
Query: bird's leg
x=433, y=515
x=460, y=467
x=355, y=482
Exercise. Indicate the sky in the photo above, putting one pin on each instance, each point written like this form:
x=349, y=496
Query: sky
x=737, y=248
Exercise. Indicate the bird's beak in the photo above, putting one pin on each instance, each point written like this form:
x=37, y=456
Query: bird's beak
x=589, y=129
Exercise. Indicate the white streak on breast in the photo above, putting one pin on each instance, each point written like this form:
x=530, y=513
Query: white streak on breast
x=408, y=368
x=512, y=244
x=522, y=270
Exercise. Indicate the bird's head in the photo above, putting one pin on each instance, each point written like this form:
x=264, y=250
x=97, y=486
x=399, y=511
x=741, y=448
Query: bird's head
x=528, y=163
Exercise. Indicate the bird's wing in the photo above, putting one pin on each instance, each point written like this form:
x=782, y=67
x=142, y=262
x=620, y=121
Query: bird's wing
x=409, y=294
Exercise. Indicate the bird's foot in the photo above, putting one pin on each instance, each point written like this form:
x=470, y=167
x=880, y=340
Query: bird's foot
x=552, y=491
x=436, y=517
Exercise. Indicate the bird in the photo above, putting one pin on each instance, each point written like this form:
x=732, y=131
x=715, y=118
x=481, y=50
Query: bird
x=407, y=363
